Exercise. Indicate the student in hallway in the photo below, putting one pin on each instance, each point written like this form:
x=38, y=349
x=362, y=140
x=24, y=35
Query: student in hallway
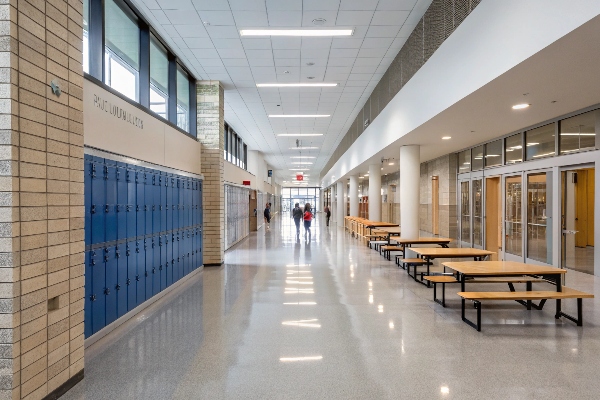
x=307, y=219
x=267, y=215
x=297, y=215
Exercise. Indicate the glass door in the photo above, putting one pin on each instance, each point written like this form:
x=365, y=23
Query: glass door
x=513, y=226
x=465, y=213
x=539, y=212
x=477, y=213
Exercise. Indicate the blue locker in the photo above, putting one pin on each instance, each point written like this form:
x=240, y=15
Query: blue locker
x=162, y=262
x=188, y=252
x=193, y=249
x=176, y=205
x=98, y=298
x=110, y=208
x=89, y=292
x=182, y=203
x=190, y=201
x=155, y=266
x=111, y=266
x=131, y=202
x=199, y=259
x=131, y=256
x=87, y=194
x=121, y=201
x=148, y=268
x=140, y=202
x=98, y=201
x=121, y=286
x=177, y=255
x=164, y=181
x=156, y=202
x=169, y=204
x=140, y=274
x=169, y=258
x=149, y=198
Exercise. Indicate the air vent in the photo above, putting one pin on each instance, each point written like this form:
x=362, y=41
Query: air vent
x=319, y=21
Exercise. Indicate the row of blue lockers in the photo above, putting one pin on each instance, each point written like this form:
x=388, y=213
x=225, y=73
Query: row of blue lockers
x=123, y=275
x=126, y=200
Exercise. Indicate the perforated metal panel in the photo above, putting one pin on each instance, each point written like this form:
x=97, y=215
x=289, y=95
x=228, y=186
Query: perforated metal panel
x=462, y=8
x=433, y=29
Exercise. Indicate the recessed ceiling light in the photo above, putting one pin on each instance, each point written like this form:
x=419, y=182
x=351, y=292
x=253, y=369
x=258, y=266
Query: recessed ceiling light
x=446, y=137
x=265, y=85
x=298, y=116
x=300, y=134
x=391, y=163
x=520, y=106
x=285, y=72
x=303, y=148
x=296, y=32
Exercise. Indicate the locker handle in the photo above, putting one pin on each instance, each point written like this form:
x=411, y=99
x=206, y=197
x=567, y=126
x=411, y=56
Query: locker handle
x=118, y=174
x=93, y=170
x=153, y=270
x=118, y=287
x=118, y=208
x=146, y=273
x=160, y=207
x=137, y=278
x=93, y=297
x=118, y=254
x=105, y=172
x=137, y=208
x=153, y=207
x=106, y=291
x=137, y=249
x=128, y=282
x=128, y=208
x=106, y=208
x=93, y=209
x=145, y=207
x=93, y=262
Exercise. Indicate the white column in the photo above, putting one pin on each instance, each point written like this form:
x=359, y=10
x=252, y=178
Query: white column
x=353, y=195
x=375, y=192
x=410, y=174
x=340, y=209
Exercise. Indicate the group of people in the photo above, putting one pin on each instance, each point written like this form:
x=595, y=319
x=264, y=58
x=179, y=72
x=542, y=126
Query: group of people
x=298, y=214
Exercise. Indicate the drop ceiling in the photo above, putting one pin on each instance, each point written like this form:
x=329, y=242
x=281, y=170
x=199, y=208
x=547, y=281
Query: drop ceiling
x=205, y=35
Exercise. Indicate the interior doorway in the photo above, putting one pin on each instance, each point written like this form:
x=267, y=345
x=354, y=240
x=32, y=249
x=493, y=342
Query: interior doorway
x=577, y=217
x=493, y=217
x=435, y=205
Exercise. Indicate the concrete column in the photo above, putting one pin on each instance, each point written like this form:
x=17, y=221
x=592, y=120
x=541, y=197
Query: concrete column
x=410, y=171
x=353, y=195
x=341, y=204
x=211, y=118
x=375, y=192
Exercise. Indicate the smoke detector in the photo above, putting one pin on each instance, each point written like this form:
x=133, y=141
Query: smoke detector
x=319, y=21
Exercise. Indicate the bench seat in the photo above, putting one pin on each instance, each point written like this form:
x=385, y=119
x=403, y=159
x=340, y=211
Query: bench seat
x=566, y=293
x=389, y=248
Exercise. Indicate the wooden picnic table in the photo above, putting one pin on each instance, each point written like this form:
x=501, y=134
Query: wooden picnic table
x=430, y=253
x=404, y=243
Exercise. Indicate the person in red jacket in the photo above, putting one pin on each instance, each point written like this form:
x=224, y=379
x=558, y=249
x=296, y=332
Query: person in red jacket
x=307, y=219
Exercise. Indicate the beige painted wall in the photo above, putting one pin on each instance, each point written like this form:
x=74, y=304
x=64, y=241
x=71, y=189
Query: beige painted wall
x=152, y=141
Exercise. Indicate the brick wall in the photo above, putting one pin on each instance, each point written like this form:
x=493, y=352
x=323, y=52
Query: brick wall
x=211, y=119
x=41, y=198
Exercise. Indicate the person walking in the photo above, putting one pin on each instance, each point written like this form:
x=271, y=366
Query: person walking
x=327, y=214
x=297, y=215
x=307, y=219
x=267, y=215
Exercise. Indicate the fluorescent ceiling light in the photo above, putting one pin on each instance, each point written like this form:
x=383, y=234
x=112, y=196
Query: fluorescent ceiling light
x=302, y=163
x=520, y=106
x=302, y=157
x=288, y=359
x=446, y=137
x=303, y=148
x=298, y=169
x=532, y=144
x=299, y=116
x=391, y=163
x=577, y=134
x=300, y=84
x=300, y=134
x=296, y=32
x=301, y=303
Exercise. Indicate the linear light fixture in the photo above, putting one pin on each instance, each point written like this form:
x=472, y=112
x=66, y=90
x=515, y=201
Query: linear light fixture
x=301, y=303
x=298, y=169
x=520, y=106
x=299, y=84
x=303, y=148
x=303, y=157
x=299, y=115
x=302, y=163
x=296, y=32
x=300, y=134
x=288, y=359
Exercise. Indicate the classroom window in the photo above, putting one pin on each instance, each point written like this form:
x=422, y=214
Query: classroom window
x=86, y=36
x=540, y=142
x=183, y=99
x=159, y=78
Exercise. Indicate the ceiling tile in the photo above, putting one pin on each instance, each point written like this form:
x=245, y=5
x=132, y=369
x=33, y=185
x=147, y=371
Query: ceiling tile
x=316, y=43
x=396, y=4
x=320, y=5
x=192, y=30
x=358, y=4
x=396, y=18
x=315, y=53
x=280, y=42
x=346, y=43
x=171, y=30
x=250, y=19
x=382, y=31
x=151, y=4
x=374, y=43
x=349, y=53
x=285, y=18
x=202, y=54
x=406, y=30
x=232, y=53
x=199, y=43
x=279, y=53
x=216, y=18
x=223, y=32
x=309, y=16
x=287, y=62
x=175, y=4
x=253, y=54
x=247, y=5
x=260, y=62
x=210, y=5
x=228, y=44
x=211, y=62
x=363, y=70
x=349, y=18
x=283, y=5
x=215, y=70
x=161, y=17
x=341, y=62
x=183, y=17
x=367, y=62
x=256, y=44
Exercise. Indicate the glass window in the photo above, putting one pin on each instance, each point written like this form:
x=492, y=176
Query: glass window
x=226, y=136
x=540, y=142
x=245, y=156
x=122, y=36
x=159, y=78
x=512, y=218
x=183, y=99
x=465, y=213
x=86, y=35
x=537, y=243
x=493, y=153
x=579, y=132
x=477, y=158
x=514, y=149
x=477, y=212
x=464, y=161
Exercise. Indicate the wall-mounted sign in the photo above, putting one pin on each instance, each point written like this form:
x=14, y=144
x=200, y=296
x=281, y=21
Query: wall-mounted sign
x=246, y=183
x=117, y=112
x=270, y=173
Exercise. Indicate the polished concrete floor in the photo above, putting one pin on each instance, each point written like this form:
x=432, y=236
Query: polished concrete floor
x=331, y=319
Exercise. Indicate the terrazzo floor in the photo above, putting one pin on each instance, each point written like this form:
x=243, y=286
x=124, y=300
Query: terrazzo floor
x=331, y=319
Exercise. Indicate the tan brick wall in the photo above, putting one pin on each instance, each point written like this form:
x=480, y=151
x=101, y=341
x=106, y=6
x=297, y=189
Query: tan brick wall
x=41, y=196
x=211, y=111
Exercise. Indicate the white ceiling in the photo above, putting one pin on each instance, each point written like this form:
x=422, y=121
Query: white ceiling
x=205, y=35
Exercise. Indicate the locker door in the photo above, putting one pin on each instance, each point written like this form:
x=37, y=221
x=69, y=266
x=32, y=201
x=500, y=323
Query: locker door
x=87, y=194
x=181, y=202
x=110, y=208
x=140, y=273
x=176, y=205
x=169, y=258
x=148, y=270
x=121, y=201
x=188, y=252
x=131, y=256
x=193, y=202
x=89, y=291
x=98, y=201
x=193, y=248
x=155, y=266
x=131, y=202
x=98, y=298
x=156, y=202
x=110, y=263
x=149, y=197
x=199, y=240
x=121, y=286
x=140, y=202
x=162, y=268
x=163, y=200
x=177, y=249
x=169, y=202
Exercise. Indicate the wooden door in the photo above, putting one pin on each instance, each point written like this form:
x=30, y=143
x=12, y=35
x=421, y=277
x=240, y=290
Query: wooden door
x=493, y=215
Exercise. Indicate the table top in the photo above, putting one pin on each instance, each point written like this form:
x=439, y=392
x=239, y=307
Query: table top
x=440, y=252
x=389, y=229
x=501, y=268
x=423, y=240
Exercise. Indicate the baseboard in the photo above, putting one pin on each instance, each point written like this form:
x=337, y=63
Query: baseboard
x=65, y=387
x=131, y=314
x=214, y=264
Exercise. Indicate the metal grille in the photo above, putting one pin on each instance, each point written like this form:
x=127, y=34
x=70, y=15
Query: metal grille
x=462, y=8
x=434, y=32
x=404, y=69
x=448, y=7
x=394, y=73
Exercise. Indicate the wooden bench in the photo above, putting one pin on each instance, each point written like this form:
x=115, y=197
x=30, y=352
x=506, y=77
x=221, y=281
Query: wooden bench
x=510, y=280
x=566, y=293
x=377, y=243
x=387, y=250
